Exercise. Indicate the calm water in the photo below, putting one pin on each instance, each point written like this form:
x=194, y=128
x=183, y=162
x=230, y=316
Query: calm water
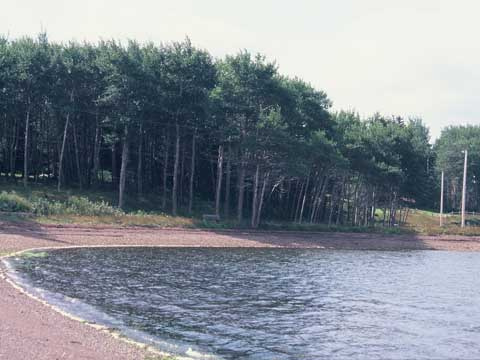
x=272, y=304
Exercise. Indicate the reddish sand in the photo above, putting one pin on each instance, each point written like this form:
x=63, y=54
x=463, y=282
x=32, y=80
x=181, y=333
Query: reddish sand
x=31, y=330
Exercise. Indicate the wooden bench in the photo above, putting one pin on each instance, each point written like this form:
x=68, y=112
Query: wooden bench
x=211, y=218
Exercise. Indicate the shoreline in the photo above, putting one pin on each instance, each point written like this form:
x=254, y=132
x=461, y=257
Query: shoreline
x=32, y=328
x=21, y=285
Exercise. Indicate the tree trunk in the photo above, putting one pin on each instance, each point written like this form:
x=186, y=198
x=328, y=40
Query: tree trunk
x=218, y=191
x=226, y=207
x=13, y=156
x=241, y=187
x=340, y=202
x=140, y=163
x=321, y=200
x=77, y=157
x=114, y=165
x=304, y=199
x=333, y=200
x=393, y=209
x=299, y=202
x=192, y=173
x=352, y=201
x=296, y=194
x=286, y=201
x=175, y=169
x=384, y=215
x=151, y=161
x=355, y=206
x=316, y=198
x=123, y=170
x=182, y=173
x=62, y=153
x=96, y=152
x=262, y=197
x=255, y=197
x=165, y=170
x=25, y=153
x=374, y=207
x=314, y=195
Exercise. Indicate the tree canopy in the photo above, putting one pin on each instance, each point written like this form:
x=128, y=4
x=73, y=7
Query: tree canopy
x=232, y=132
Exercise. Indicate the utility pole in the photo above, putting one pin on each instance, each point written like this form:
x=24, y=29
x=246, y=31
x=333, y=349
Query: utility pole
x=464, y=190
x=441, y=199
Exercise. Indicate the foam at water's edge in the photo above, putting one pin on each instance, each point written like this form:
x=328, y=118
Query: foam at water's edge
x=79, y=311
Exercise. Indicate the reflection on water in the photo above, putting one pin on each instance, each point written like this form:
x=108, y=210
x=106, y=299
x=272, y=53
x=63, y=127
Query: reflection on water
x=277, y=303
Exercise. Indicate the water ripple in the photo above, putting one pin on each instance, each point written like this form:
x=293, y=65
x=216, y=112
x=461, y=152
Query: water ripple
x=276, y=303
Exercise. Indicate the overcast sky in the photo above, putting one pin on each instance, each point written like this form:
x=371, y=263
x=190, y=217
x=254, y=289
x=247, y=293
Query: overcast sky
x=410, y=58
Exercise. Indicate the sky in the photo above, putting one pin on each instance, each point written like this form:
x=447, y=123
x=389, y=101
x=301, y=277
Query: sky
x=410, y=58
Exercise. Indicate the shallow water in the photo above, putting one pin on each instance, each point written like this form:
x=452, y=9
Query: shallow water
x=275, y=303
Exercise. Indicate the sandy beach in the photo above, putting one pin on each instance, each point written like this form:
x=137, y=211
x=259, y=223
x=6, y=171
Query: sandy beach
x=31, y=330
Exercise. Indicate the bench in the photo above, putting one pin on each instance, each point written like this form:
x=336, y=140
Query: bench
x=211, y=218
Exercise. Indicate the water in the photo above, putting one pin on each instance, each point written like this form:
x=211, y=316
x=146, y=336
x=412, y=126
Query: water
x=272, y=304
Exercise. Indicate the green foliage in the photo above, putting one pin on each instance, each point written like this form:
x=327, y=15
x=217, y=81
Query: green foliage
x=151, y=107
x=450, y=159
x=47, y=205
x=333, y=228
x=12, y=202
x=74, y=205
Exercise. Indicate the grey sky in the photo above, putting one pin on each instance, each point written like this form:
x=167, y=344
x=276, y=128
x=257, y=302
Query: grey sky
x=411, y=58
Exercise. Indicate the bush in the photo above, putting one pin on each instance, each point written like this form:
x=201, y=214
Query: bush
x=42, y=206
x=12, y=202
x=77, y=205
x=74, y=205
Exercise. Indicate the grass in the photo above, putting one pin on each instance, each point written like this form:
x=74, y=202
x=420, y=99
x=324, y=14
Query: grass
x=332, y=228
x=12, y=202
x=151, y=220
x=45, y=205
x=99, y=196
x=428, y=223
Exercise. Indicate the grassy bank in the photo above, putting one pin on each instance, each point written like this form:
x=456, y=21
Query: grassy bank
x=428, y=223
x=45, y=205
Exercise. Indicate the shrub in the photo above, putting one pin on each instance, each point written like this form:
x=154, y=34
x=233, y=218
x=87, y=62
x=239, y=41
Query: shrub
x=12, y=202
x=75, y=205
x=42, y=206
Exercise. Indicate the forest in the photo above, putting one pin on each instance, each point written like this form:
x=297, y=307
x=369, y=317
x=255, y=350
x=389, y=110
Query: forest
x=170, y=119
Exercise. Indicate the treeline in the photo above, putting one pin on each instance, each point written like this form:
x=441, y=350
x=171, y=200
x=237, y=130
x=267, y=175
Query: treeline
x=450, y=159
x=171, y=119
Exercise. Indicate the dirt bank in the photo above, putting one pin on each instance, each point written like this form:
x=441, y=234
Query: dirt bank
x=31, y=330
